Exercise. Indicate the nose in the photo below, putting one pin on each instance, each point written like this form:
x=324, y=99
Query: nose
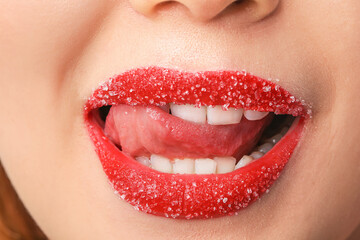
x=205, y=10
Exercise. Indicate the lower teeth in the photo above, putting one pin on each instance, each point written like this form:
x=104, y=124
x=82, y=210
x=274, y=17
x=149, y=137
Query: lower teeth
x=216, y=165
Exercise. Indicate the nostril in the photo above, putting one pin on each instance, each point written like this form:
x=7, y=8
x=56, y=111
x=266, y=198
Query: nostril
x=169, y=6
x=250, y=11
x=238, y=2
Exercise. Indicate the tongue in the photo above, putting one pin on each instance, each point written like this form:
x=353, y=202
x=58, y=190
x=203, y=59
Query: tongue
x=146, y=130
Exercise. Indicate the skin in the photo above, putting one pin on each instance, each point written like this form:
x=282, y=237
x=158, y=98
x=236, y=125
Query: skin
x=54, y=53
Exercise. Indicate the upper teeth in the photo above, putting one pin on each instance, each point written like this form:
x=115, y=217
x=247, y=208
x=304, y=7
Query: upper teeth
x=189, y=112
x=217, y=116
x=213, y=115
x=255, y=115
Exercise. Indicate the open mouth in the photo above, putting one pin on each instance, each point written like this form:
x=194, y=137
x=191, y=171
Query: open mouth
x=192, y=145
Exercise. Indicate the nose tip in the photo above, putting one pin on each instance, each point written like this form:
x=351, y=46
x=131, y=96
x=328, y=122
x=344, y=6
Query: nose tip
x=205, y=10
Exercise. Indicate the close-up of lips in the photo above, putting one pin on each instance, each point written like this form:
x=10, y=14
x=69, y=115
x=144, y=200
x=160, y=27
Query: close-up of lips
x=183, y=119
x=147, y=118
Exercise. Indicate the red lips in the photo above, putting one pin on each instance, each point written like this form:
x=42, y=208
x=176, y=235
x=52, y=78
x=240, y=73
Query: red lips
x=192, y=196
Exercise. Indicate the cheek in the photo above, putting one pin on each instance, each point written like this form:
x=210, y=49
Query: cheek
x=38, y=43
x=335, y=139
x=43, y=37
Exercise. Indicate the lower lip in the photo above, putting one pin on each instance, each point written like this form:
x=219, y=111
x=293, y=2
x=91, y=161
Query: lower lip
x=191, y=196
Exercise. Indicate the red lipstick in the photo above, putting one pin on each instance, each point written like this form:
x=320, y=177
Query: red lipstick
x=192, y=196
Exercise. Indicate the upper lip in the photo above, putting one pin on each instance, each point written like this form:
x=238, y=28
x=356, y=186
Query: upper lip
x=192, y=196
x=158, y=86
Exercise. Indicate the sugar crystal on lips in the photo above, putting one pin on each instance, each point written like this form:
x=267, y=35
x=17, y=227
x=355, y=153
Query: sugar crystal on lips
x=192, y=196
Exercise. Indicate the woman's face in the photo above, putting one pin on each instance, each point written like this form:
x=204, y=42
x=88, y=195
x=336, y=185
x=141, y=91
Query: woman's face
x=53, y=54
